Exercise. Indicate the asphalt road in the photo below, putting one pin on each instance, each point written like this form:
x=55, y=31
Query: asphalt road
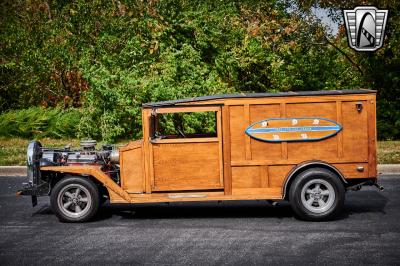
x=368, y=232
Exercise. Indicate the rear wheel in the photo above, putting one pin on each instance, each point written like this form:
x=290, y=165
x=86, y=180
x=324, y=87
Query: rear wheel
x=75, y=199
x=317, y=194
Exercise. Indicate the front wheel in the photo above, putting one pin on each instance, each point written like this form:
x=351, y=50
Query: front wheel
x=317, y=194
x=74, y=199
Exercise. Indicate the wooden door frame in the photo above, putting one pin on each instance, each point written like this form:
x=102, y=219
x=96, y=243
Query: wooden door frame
x=186, y=109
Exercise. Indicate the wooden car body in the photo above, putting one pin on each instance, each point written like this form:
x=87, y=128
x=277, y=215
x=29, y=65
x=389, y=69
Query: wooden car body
x=331, y=129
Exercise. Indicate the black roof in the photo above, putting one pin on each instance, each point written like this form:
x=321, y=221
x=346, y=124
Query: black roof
x=254, y=95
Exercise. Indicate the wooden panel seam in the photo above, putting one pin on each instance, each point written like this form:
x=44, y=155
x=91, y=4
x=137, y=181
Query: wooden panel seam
x=143, y=168
x=145, y=129
x=247, y=140
x=151, y=157
x=340, y=134
x=284, y=144
x=227, y=151
x=220, y=148
x=371, y=120
x=122, y=176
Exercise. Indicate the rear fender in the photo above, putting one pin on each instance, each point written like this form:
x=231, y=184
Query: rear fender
x=307, y=165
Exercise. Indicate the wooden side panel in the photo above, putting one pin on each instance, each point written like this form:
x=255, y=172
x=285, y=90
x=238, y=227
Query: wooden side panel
x=326, y=149
x=355, y=131
x=257, y=193
x=237, y=128
x=277, y=174
x=132, y=170
x=277, y=159
x=349, y=170
x=246, y=177
x=247, y=138
x=186, y=167
x=264, y=150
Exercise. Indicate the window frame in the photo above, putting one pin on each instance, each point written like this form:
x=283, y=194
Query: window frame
x=186, y=109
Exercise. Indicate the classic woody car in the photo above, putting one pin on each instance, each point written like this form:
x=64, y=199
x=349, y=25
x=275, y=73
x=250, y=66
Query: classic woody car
x=305, y=147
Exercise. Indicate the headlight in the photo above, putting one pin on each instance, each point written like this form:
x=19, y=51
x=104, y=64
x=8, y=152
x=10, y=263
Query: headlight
x=33, y=154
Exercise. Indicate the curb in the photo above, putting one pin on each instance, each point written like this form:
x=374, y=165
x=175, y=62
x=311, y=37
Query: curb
x=388, y=169
x=383, y=169
x=12, y=170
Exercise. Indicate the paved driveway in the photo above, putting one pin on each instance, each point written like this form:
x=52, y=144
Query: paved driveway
x=237, y=233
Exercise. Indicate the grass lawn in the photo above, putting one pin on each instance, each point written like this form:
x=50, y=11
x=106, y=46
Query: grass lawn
x=13, y=150
x=389, y=152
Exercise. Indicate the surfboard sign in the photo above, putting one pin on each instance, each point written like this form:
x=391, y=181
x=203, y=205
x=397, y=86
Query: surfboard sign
x=293, y=129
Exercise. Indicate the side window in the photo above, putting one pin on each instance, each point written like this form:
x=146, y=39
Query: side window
x=185, y=125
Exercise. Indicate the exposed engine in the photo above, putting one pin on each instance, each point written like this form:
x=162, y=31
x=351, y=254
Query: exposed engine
x=37, y=156
x=107, y=157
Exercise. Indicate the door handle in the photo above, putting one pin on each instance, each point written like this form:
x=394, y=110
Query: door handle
x=359, y=106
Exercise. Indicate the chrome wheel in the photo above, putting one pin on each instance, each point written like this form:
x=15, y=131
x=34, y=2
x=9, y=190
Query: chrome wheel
x=317, y=195
x=74, y=200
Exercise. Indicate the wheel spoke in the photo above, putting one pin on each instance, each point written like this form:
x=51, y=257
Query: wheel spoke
x=321, y=203
x=325, y=193
x=309, y=191
x=69, y=194
x=310, y=201
x=317, y=187
x=77, y=191
x=84, y=199
x=78, y=208
x=67, y=204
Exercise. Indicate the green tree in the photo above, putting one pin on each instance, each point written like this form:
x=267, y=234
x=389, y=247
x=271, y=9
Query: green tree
x=109, y=57
x=378, y=70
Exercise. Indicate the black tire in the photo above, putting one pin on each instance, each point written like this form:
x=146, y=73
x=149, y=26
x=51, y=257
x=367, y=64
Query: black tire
x=103, y=195
x=75, y=199
x=317, y=194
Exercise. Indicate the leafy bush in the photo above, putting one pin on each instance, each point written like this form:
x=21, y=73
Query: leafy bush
x=37, y=122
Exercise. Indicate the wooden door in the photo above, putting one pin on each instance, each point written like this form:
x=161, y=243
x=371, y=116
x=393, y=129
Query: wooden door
x=188, y=162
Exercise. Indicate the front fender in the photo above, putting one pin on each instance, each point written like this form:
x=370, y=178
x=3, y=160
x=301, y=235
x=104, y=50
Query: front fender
x=95, y=172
